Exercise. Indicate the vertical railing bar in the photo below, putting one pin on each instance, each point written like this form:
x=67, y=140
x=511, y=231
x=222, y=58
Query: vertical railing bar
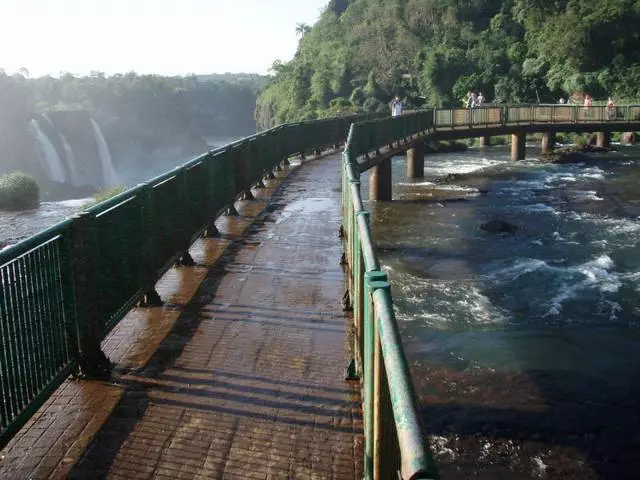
x=6, y=370
x=25, y=385
x=13, y=371
x=62, y=339
x=30, y=352
x=39, y=352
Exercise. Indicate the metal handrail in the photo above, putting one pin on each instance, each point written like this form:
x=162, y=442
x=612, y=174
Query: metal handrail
x=64, y=289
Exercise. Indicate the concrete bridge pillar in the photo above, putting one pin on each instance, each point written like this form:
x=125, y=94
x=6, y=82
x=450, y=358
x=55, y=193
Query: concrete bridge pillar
x=603, y=139
x=380, y=181
x=518, y=146
x=415, y=161
x=485, y=141
x=548, y=141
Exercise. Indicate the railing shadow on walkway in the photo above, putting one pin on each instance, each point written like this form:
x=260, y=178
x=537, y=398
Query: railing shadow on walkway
x=162, y=396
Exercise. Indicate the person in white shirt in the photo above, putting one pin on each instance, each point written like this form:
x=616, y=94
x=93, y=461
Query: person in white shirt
x=479, y=100
x=396, y=107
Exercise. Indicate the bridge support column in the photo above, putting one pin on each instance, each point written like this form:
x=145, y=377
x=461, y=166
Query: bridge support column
x=518, y=146
x=603, y=139
x=548, y=141
x=415, y=161
x=485, y=141
x=380, y=181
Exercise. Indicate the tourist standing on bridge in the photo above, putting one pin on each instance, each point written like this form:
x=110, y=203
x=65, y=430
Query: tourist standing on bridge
x=611, y=109
x=396, y=107
x=472, y=99
x=588, y=101
x=479, y=100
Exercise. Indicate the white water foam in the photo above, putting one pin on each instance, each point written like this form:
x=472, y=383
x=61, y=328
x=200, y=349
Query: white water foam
x=456, y=188
x=416, y=184
x=459, y=166
x=108, y=172
x=444, y=303
x=536, y=208
x=595, y=274
x=70, y=156
x=585, y=195
x=49, y=158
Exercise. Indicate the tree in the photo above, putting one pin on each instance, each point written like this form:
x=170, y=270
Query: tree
x=302, y=29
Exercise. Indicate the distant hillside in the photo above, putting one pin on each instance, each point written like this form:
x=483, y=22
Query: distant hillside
x=144, y=118
x=252, y=80
x=361, y=52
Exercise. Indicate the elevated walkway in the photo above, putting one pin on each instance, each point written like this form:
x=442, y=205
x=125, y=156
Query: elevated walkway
x=239, y=375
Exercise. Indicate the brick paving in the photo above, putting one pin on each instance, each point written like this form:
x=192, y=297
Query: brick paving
x=239, y=375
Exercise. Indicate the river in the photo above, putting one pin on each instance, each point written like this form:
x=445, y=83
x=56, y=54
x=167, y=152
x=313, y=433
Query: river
x=525, y=347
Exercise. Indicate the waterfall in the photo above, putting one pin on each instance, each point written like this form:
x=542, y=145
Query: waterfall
x=49, y=158
x=76, y=177
x=108, y=172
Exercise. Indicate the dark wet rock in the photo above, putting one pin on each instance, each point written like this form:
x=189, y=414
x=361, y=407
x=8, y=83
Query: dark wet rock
x=450, y=177
x=445, y=147
x=573, y=154
x=499, y=226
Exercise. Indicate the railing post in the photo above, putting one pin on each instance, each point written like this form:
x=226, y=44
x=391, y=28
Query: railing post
x=211, y=229
x=92, y=361
x=185, y=259
x=373, y=280
x=148, y=260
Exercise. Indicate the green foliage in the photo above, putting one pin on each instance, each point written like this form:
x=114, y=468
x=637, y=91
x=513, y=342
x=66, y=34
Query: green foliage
x=106, y=194
x=18, y=192
x=148, y=107
x=433, y=51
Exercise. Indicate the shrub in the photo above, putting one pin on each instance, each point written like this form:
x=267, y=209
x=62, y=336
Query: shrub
x=18, y=191
x=105, y=194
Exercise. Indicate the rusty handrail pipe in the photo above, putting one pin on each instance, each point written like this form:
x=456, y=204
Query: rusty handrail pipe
x=416, y=460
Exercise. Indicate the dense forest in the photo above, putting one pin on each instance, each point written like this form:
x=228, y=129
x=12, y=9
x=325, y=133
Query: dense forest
x=362, y=52
x=146, y=119
x=148, y=110
x=146, y=105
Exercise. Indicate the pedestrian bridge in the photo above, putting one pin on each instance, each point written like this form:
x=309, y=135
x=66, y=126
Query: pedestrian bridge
x=192, y=326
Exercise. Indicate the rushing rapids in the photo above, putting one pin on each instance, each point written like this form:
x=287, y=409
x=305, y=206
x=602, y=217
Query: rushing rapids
x=524, y=345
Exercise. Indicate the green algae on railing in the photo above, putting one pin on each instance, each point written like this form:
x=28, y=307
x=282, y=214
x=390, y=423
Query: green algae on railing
x=395, y=445
x=64, y=289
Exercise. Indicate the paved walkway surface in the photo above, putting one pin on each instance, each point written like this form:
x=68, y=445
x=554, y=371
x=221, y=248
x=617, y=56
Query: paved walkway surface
x=240, y=375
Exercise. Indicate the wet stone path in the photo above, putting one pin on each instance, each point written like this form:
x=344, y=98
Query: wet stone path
x=238, y=376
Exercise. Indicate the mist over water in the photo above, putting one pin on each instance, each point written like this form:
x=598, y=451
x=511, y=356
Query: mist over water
x=545, y=319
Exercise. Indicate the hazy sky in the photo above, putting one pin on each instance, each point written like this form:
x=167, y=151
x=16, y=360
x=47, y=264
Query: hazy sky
x=150, y=36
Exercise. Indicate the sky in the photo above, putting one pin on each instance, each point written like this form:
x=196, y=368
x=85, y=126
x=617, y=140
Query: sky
x=166, y=37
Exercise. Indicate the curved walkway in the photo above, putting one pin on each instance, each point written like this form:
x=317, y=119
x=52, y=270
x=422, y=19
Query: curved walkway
x=240, y=374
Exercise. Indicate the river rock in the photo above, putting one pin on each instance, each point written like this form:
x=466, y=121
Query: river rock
x=573, y=154
x=499, y=226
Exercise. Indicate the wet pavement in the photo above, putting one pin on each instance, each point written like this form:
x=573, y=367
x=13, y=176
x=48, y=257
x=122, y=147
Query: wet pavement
x=239, y=375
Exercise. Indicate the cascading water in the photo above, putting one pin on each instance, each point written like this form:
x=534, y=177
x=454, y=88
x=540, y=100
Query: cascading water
x=76, y=178
x=49, y=158
x=108, y=172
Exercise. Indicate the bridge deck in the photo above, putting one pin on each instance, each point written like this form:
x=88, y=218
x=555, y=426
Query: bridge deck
x=240, y=375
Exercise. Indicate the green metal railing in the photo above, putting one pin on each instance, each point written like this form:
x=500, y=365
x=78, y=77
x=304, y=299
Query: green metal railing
x=64, y=289
x=375, y=134
x=394, y=440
